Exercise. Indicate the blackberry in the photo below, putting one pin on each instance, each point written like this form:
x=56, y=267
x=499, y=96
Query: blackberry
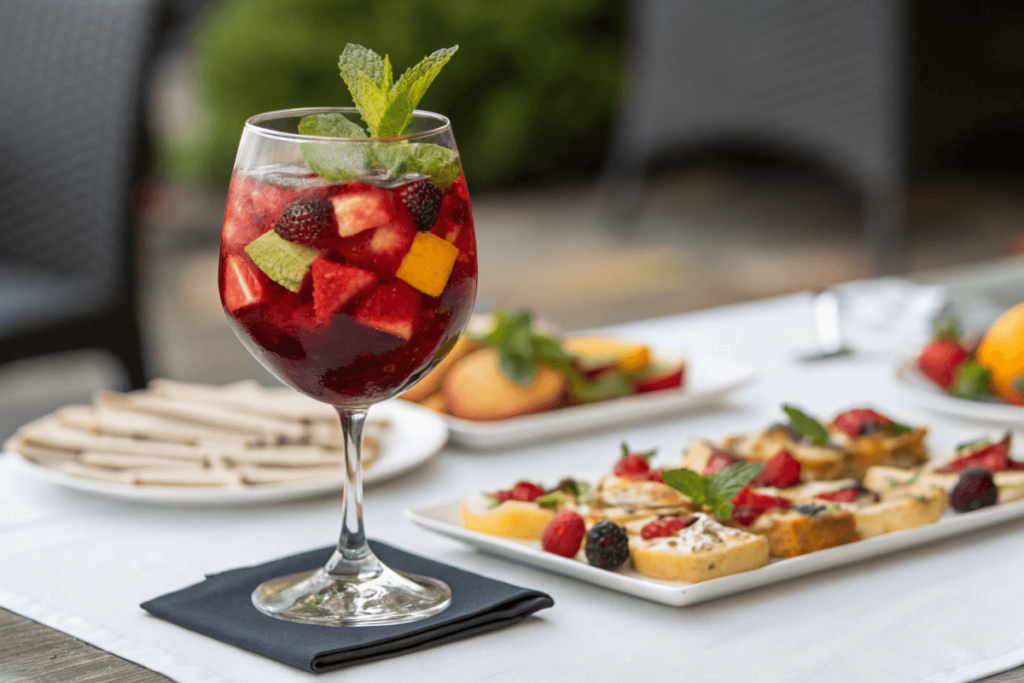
x=975, y=490
x=423, y=199
x=607, y=546
x=309, y=221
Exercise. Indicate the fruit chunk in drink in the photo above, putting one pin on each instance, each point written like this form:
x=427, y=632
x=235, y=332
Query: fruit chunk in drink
x=349, y=292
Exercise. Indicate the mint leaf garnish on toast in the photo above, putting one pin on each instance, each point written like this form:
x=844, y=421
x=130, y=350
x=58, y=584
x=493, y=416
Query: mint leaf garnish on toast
x=807, y=426
x=284, y=262
x=714, y=491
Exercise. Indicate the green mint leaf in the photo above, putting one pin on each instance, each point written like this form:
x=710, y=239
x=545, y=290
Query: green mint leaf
x=336, y=161
x=397, y=159
x=331, y=125
x=368, y=77
x=972, y=445
x=408, y=91
x=1018, y=386
x=947, y=329
x=971, y=381
x=899, y=428
x=519, y=369
x=284, y=262
x=689, y=483
x=601, y=388
x=724, y=484
x=806, y=425
x=550, y=501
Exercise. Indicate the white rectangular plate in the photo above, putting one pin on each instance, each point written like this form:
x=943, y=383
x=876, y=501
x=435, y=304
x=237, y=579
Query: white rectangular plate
x=446, y=519
x=709, y=378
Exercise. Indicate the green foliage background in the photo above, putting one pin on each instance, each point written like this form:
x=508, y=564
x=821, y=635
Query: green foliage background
x=532, y=92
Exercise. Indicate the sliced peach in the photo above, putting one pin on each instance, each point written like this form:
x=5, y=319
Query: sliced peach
x=428, y=264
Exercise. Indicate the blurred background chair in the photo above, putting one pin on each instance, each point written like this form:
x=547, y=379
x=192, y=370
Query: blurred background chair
x=73, y=152
x=821, y=82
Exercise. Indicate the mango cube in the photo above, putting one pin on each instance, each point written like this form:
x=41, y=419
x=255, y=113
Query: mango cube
x=428, y=264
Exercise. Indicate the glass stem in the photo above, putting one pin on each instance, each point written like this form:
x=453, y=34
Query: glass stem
x=353, y=558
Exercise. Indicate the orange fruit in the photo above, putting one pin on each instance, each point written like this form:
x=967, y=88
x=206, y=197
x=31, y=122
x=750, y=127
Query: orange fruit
x=1002, y=352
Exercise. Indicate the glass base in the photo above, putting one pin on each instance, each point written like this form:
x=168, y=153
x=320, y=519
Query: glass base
x=317, y=597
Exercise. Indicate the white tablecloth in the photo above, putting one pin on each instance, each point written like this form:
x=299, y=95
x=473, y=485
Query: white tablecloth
x=946, y=612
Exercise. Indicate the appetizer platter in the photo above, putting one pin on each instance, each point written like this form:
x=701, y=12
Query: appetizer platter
x=745, y=510
x=510, y=381
x=972, y=378
x=193, y=443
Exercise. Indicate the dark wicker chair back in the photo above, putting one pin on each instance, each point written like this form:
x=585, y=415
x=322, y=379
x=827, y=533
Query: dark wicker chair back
x=72, y=154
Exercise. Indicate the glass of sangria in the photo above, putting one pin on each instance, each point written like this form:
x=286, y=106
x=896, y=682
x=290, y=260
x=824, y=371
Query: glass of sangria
x=348, y=269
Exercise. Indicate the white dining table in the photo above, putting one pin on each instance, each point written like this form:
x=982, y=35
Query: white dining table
x=949, y=611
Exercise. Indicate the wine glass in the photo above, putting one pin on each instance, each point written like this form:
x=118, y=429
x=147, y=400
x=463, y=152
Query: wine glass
x=348, y=269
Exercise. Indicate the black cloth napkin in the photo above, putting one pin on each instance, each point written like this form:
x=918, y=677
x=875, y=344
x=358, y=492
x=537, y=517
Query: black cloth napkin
x=221, y=607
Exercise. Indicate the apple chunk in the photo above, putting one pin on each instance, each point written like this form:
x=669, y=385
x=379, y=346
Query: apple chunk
x=360, y=211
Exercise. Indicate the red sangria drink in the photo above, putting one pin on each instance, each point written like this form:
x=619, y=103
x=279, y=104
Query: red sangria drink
x=348, y=269
x=349, y=292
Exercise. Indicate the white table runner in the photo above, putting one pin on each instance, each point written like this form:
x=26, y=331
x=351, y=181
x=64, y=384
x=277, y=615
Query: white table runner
x=946, y=612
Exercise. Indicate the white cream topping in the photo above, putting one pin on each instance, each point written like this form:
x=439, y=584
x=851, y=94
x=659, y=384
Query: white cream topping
x=703, y=534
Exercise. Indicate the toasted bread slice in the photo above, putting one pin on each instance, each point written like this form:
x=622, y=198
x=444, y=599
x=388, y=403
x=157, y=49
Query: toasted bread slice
x=625, y=501
x=901, y=508
x=817, y=462
x=476, y=388
x=792, y=532
x=900, y=450
x=511, y=518
x=883, y=479
x=702, y=551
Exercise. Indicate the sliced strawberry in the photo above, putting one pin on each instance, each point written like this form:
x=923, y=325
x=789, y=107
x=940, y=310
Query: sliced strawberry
x=361, y=207
x=564, y=534
x=393, y=308
x=748, y=506
x=842, y=496
x=671, y=378
x=719, y=460
x=940, y=359
x=380, y=250
x=656, y=475
x=242, y=285
x=780, y=471
x=994, y=457
x=335, y=286
x=666, y=526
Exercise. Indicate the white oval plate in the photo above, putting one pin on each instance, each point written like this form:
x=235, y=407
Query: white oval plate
x=414, y=435
x=921, y=390
x=709, y=378
x=446, y=519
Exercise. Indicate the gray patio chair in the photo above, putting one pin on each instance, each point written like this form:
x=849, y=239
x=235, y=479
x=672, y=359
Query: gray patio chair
x=73, y=77
x=820, y=81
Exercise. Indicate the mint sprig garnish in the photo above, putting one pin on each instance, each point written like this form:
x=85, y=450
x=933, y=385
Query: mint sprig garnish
x=521, y=350
x=900, y=428
x=714, y=491
x=947, y=329
x=387, y=108
x=806, y=425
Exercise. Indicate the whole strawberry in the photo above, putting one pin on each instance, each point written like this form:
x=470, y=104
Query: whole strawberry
x=632, y=464
x=942, y=356
x=564, y=534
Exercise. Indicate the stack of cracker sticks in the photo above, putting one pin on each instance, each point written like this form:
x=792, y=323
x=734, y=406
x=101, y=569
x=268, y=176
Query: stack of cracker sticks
x=178, y=434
